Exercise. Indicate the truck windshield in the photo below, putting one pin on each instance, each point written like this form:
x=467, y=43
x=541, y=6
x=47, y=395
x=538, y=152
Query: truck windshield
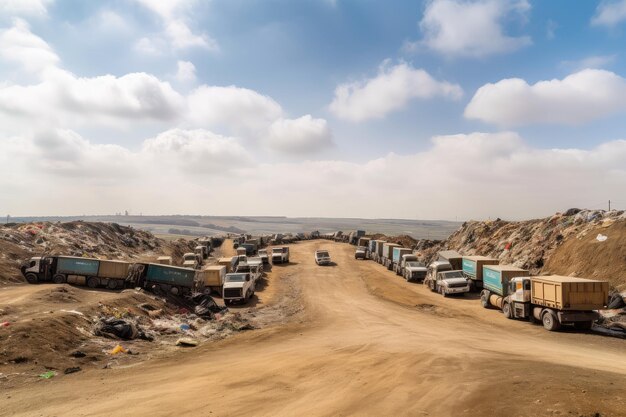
x=278, y=250
x=413, y=264
x=322, y=254
x=235, y=278
x=452, y=274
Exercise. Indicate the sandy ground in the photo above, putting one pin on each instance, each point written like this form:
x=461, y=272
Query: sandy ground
x=365, y=343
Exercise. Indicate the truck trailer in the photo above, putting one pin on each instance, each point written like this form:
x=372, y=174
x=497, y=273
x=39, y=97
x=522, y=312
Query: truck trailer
x=496, y=280
x=473, y=269
x=173, y=279
x=556, y=300
x=376, y=251
x=454, y=258
x=396, y=258
x=211, y=278
x=387, y=254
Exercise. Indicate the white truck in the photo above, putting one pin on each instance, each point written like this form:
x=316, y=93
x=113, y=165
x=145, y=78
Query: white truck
x=262, y=253
x=192, y=260
x=360, y=253
x=451, y=282
x=433, y=269
x=280, y=255
x=414, y=271
x=238, y=287
x=322, y=257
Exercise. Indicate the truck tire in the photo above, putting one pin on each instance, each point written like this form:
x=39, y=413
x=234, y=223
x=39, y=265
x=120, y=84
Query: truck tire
x=59, y=279
x=93, y=282
x=32, y=278
x=550, y=321
x=506, y=310
x=175, y=290
x=112, y=284
x=484, y=298
x=583, y=325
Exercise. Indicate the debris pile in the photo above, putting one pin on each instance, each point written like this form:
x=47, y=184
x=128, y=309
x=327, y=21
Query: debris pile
x=78, y=238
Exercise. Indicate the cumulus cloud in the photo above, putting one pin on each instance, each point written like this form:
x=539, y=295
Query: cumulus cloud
x=30, y=8
x=578, y=98
x=462, y=28
x=174, y=15
x=590, y=62
x=186, y=72
x=304, y=134
x=20, y=46
x=389, y=91
x=609, y=13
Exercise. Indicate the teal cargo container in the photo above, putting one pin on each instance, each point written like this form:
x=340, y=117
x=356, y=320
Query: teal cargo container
x=397, y=253
x=496, y=277
x=473, y=266
x=69, y=265
x=171, y=275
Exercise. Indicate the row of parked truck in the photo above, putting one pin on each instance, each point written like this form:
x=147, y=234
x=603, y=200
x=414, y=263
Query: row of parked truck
x=551, y=300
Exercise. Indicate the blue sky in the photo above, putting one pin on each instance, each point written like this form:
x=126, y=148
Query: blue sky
x=243, y=92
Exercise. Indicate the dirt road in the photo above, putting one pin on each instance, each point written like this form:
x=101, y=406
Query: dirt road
x=367, y=343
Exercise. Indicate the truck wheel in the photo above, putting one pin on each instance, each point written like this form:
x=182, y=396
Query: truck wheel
x=59, y=279
x=175, y=290
x=506, y=310
x=550, y=321
x=112, y=284
x=93, y=282
x=484, y=298
x=32, y=278
x=583, y=325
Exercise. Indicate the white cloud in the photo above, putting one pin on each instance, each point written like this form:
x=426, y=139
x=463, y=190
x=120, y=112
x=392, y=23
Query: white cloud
x=30, y=8
x=304, y=134
x=590, y=62
x=234, y=108
x=462, y=28
x=609, y=13
x=19, y=45
x=186, y=72
x=175, y=17
x=390, y=90
x=581, y=97
x=147, y=46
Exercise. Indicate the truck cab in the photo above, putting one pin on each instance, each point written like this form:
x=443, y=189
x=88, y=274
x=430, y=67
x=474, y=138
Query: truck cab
x=191, y=260
x=201, y=251
x=451, y=282
x=36, y=269
x=433, y=269
x=414, y=270
x=360, y=253
x=322, y=257
x=238, y=286
x=280, y=255
x=262, y=253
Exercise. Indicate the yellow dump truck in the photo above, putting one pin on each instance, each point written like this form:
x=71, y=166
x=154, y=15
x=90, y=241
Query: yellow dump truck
x=211, y=278
x=556, y=300
x=230, y=263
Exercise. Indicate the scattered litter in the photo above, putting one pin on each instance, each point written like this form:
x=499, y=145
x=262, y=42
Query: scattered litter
x=206, y=305
x=601, y=237
x=72, y=370
x=78, y=354
x=117, y=349
x=185, y=327
x=155, y=313
x=617, y=301
x=73, y=312
x=48, y=375
x=186, y=342
x=5, y=324
x=115, y=328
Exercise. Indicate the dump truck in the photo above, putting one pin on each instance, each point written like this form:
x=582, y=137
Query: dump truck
x=164, y=260
x=76, y=270
x=496, y=283
x=556, y=300
x=280, y=255
x=473, y=269
x=249, y=247
x=396, y=258
x=238, y=287
x=211, y=278
x=192, y=260
x=452, y=257
x=164, y=278
x=229, y=262
x=376, y=249
x=387, y=255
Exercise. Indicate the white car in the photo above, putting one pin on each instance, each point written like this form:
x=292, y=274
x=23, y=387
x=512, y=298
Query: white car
x=451, y=282
x=322, y=257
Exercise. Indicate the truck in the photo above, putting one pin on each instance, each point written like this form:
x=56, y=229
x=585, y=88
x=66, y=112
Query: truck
x=413, y=270
x=280, y=254
x=262, y=253
x=76, y=270
x=360, y=252
x=229, y=262
x=396, y=258
x=211, y=279
x=250, y=248
x=556, y=300
x=241, y=250
x=164, y=278
x=192, y=260
x=473, y=269
x=496, y=283
x=238, y=286
x=164, y=260
x=252, y=265
x=451, y=282
x=433, y=269
x=376, y=250
x=322, y=257
x=353, y=237
x=387, y=255
x=452, y=257
x=201, y=251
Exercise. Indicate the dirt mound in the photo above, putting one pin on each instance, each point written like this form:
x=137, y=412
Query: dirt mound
x=77, y=238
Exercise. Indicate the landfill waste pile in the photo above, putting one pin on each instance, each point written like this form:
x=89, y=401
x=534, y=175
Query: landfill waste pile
x=102, y=240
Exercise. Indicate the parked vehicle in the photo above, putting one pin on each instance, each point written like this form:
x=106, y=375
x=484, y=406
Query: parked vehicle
x=201, y=251
x=238, y=287
x=409, y=257
x=250, y=248
x=173, y=279
x=230, y=263
x=211, y=278
x=451, y=282
x=396, y=258
x=556, y=300
x=376, y=251
x=192, y=260
x=322, y=257
x=496, y=280
x=280, y=255
x=433, y=269
x=414, y=271
x=353, y=238
x=452, y=257
x=473, y=269
x=75, y=270
x=364, y=241
x=164, y=260
x=387, y=254
x=262, y=253
x=241, y=250
x=360, y=253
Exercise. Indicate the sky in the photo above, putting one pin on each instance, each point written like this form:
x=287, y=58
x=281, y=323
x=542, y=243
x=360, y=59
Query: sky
x=438, y=109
